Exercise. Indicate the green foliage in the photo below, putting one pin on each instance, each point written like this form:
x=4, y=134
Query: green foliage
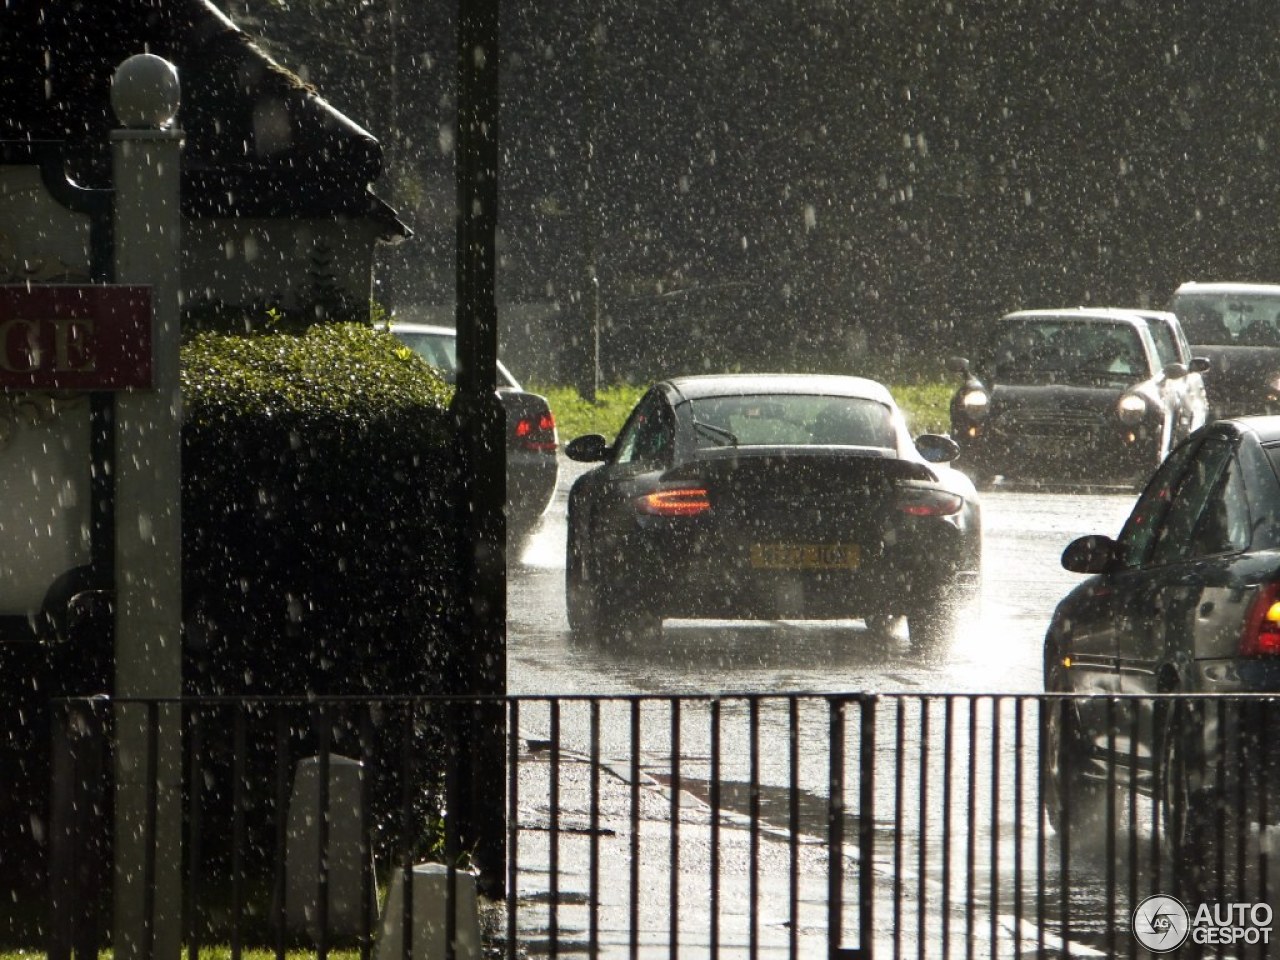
x=924, y=402
x=348, y=371
x=576, y=417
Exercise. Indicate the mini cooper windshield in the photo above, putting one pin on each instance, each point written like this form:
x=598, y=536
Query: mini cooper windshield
x=1063, y=351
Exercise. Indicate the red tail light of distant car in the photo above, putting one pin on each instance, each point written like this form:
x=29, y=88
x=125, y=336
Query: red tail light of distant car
x=537, y=432
x=1261, y=637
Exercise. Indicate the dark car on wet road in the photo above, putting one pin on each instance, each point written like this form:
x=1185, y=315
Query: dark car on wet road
x=1237, y=326
x=769, y=496
x=1075, y=395
x=1185, y=600
x=532, y=441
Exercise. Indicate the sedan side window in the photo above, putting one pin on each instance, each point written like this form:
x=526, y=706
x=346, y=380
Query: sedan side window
x=649, y=434
x=1148, y=516
x=1196, y=522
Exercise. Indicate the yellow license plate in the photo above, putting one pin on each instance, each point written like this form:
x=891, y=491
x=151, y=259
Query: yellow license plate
x=805, y=556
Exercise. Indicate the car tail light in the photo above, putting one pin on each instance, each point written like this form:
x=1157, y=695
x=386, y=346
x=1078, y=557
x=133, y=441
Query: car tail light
x=678, y=502
x=1262, y=625
x=537, y=432
x=929, y=503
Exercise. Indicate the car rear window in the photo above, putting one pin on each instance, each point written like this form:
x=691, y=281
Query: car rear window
x=1230, y=319
x=771, y=419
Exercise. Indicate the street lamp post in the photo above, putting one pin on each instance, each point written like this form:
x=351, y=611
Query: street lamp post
x=481, y=449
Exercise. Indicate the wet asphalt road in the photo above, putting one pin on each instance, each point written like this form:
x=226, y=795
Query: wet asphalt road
x=997, y=649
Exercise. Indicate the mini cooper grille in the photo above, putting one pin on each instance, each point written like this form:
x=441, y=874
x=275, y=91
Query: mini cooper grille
x=1052, y=423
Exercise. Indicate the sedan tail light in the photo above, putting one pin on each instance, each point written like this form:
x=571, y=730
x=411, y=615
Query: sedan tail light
x=929, y=503
x=536, y=432
x=676, y=502
x=1261, y=636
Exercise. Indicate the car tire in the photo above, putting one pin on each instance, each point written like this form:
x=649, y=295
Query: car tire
x=600, y=614
x=1076, y=807
x=1190, y=831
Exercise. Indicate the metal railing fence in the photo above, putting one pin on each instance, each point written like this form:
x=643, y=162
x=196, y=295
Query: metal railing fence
x=850, y=826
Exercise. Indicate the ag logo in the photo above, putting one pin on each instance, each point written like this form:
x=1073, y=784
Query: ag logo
x=1161, y=923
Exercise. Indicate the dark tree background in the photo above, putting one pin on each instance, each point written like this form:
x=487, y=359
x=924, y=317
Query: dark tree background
x=791, y=181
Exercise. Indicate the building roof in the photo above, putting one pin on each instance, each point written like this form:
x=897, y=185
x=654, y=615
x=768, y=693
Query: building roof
x=259, y=141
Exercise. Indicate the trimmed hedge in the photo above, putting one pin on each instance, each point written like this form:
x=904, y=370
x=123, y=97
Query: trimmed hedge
x=318, y=529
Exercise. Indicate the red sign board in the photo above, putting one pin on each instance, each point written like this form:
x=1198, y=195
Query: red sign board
x=84, y=337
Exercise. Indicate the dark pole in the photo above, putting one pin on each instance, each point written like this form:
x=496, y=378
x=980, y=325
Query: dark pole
x=480, y=446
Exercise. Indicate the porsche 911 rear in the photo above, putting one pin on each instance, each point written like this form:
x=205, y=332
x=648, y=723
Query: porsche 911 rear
x=789, y=534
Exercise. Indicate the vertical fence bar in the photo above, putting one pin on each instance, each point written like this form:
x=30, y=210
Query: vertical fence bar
x=673, y=907
x=1109, y=818
x=835, y=826
x=593, y=867
x=753, y=739
x=922, y=859
x=948, y=738
x=1042, y=853
x=635, y=829
x=553, y=919
x=793, y=825
x=1063, y=706
x=994, y=879
x=195, y=839
x=404, y=846
x=513, y=829
x=371, y=770
x=239, y=735
x=281, y=771
x=899, y=787
x=971, y=840
x=323, y=723
x=715, y=829
x=1019, y=797
x=867, y=824
x=1135, y=713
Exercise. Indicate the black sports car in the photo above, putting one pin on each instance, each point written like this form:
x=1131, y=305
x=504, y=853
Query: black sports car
x=1076, y=395
x=769, y=496
x=1186, y=600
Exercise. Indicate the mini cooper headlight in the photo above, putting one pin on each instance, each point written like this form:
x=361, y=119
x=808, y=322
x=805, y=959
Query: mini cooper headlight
x=976, y=405
x=1131, y=408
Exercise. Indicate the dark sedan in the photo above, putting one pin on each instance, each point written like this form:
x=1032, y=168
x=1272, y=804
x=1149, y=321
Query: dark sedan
x=1075, y=395
x=769, y=496
x=1237, y=326
x=532, y=468
x=1185, y=600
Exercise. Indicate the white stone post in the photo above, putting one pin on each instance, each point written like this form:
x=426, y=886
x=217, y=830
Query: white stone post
x=146, y=156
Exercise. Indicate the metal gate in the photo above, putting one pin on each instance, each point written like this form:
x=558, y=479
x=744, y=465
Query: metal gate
x=750, y=825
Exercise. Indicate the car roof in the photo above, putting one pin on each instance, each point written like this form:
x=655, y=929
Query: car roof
x=695, y=387
x=1265, y=428
x=423, y=328
x=1194, y=286
x=1087, y=314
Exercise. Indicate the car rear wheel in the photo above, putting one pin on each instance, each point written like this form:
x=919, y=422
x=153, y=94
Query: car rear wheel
x=600, y=614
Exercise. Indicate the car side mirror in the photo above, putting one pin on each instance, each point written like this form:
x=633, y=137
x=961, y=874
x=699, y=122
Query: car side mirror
x=1174, y=371
x=1092, y=554
x=936, y=448
x=591, y=448
x=958, y=365
x=1199, y=364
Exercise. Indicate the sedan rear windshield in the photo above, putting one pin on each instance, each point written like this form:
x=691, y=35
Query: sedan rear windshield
x=1230, y=319
x=1064, y=351
x=786, y=419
